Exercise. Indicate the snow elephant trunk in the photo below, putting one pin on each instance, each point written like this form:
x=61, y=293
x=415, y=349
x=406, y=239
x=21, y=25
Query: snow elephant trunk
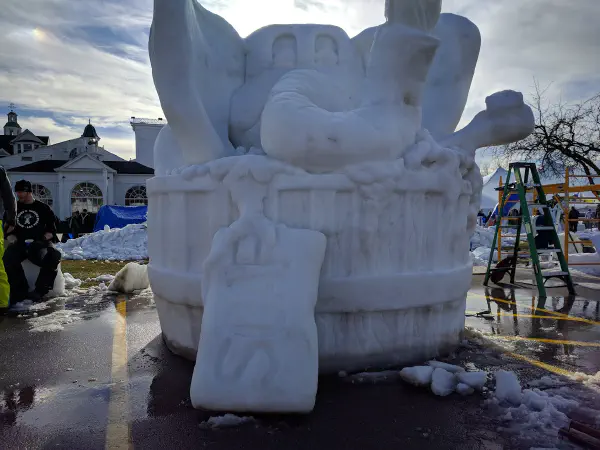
x=310, y=121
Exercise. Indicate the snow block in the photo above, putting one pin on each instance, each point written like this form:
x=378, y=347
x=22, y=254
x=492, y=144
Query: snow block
x=31, y=273
x=443, y=382
x=133, y=277
x=258, y=347
x=508, y=387
x=418, y=376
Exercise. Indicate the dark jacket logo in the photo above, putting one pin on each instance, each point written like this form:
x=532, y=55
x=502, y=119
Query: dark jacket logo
x=28, y=219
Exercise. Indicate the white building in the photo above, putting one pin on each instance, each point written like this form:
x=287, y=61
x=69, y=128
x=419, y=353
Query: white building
x=146, y=131
x=76, y=174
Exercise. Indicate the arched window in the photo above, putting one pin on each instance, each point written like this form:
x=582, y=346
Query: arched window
x=42, y=193
x=136, y=196
x=86, y=196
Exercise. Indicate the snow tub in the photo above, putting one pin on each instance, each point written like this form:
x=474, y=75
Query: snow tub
x=397, y=266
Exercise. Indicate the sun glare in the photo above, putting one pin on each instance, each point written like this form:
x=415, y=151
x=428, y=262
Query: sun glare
x=39, y=34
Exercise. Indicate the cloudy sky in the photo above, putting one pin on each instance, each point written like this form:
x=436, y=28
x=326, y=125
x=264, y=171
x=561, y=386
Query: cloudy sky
x=64, y=61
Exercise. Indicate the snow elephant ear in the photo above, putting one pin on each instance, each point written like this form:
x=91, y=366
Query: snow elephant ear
x=449, y=79
x=198, y=61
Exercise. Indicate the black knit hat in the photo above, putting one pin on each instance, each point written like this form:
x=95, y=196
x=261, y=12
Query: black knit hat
x=23, y=186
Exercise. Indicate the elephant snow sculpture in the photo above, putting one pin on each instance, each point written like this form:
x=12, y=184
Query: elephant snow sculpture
x=334, y=167
x=311, y=96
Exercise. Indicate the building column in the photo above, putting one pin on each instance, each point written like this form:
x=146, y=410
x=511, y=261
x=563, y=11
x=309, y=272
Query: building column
x=61, y=197
x=105, y=199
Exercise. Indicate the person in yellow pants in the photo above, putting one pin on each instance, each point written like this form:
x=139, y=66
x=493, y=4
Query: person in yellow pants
x=4, y=286
x=8, y=210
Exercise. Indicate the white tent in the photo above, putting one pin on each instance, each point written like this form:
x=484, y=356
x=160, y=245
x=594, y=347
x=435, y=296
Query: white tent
x=489, y=196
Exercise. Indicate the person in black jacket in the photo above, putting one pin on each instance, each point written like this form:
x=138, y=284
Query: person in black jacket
x=573, y=223
x=31, y=237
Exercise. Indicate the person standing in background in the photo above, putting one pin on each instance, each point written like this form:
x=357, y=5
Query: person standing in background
x=573, y=220
x=75, y=224
x=8, y=211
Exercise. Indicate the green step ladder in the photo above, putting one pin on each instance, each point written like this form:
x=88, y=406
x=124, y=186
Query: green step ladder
x=527, y=179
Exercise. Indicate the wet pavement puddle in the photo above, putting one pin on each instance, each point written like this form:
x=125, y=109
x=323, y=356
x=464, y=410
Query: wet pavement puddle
x=559, y=331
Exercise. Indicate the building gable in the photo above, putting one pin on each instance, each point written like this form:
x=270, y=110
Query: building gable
x=29, y=137
x=84, y=162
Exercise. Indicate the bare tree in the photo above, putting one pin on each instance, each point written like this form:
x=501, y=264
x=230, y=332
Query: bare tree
x=565, y=135
x=484, y=168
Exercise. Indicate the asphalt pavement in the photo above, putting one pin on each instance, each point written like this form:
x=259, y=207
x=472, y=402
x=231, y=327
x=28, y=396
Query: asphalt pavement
x=107, y=381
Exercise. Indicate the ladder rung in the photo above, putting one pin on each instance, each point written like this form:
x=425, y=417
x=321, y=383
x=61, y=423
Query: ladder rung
x=548, y=251
x=544, y=228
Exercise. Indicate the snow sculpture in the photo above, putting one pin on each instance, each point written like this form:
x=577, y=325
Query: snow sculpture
x=296, y=132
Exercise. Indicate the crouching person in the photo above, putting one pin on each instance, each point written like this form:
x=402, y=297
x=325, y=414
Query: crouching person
x=31, y=238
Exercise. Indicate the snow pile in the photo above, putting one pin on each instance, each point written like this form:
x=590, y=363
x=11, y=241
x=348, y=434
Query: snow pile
x=444, y=379
x=129, y=243
x=71, y=282
x=133, y=277
x=226, y=421
x=482, y=237
x=481, y=255
x=107, y=278
x=508, y=388
x=533, y=413
x=583, y=258
x=54, y=321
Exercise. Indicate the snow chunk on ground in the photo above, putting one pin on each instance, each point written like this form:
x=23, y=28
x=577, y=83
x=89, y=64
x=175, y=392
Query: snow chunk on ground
x=540, y=413
x=443, y=382
x=448, y=367
x=129, y=243
x=107, y=278
x=226, y=421
x=508, y=387
x=417, y=376
x=373, y=377
x=30, y=306
x=71, y=282
x=54, y=321
x=133, y=277
x=464, y=389
x=476, y=380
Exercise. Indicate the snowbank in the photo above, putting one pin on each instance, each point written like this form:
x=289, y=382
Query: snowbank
x=582, y=258
x=129, y=243
x=537, y=415
x=482, y=237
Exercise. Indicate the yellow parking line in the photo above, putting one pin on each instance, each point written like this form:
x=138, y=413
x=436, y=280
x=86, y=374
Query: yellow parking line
x=549, y=341
x=118, y=433
x=535, y=316
x=548, y=367
x=554, y=313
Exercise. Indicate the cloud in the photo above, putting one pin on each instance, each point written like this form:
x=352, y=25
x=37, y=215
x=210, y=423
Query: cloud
x=90, y=59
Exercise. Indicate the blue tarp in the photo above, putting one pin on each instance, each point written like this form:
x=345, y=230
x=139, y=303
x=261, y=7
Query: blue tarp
x=510, y=203
x=120, y=216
